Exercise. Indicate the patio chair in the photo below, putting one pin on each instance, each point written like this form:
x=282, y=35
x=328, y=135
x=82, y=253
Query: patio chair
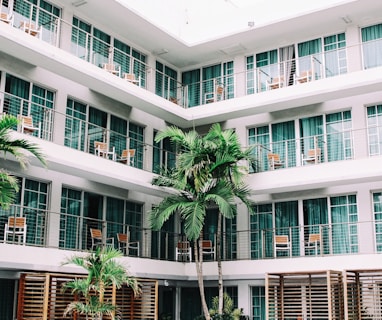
x=313, y=156
x=127, y=157
x=282, y=244
x=15, y=228
x=274, y=161
x=97, y=239
x=183, y=251
x=101, y=149
x=26, y=125
x=208, y=248
x=125, y=245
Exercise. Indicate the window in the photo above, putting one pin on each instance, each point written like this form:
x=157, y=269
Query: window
x=258, y=303
x=276, y=138
x=260, y=137
x=25, y=98
x=164, y=154
x=339, y=136
x=75, y=125
x=200, y=85
x=136, y=135
x=372, y=46
x=344, y=218
x=166, y=82
x=70, y=219
x=31, y=202
x=377, y=211
x=374, y=129
x=42, y=13
x=133, y=216
x=261, y=224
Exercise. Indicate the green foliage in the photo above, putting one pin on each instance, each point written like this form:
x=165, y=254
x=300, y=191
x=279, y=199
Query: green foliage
x=208, y=172
x=229, y=313
x=103, y=271
x=16, y=147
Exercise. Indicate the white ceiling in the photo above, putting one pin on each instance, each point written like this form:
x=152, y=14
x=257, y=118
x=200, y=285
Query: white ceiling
x=184, y=49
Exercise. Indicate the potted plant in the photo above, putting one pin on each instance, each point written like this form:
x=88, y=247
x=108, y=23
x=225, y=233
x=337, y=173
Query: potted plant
x=103, y=271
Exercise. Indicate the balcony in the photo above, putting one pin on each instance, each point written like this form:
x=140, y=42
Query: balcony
x=71, y=232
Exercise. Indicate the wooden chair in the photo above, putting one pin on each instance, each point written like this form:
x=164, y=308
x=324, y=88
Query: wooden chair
x=101, y=149
x=313, y=156
x=31, y=28
x=16, y=227
x=215, y=96
x=127, y=157
x=282, y=243
x=208, y=248
x=125, y=245
x=6, y=17
x=313, y=243
x=274, y=161
x=26, y=125
x=303, y=77
x=275, y=83
x=173, y=100
x=183, y=251
x=112, y=68
x=130, y=77
x=97, y=239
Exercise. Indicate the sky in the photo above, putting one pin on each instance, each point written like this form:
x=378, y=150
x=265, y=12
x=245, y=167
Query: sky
x=200, y=20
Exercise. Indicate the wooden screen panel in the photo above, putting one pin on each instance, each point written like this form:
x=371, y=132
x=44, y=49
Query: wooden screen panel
x=315, y=295
x=31, y=297
x=41, y=298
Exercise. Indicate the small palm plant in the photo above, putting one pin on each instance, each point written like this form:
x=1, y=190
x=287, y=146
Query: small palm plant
x=229, y=313
x=16, y=147
x=103, y=271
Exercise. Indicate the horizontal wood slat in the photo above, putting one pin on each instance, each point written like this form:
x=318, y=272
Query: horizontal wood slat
x=40, y=297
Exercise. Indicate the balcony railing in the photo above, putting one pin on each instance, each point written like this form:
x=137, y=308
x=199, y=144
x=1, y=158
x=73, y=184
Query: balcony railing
x=72, y=232
x=50, y=28
x=82, y=135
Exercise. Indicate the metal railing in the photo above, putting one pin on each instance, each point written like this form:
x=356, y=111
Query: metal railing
x=109, y=56
x=72, y=232
x=81, y=135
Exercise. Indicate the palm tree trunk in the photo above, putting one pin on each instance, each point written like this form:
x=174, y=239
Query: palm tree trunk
x=199, y=272
x=219, y=259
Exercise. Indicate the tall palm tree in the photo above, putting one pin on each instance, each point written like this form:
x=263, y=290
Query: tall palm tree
x=207, y=174
x=16, y=147
x=103, y=271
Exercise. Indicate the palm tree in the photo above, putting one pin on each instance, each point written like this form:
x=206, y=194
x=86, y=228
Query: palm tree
x=207, y=173
x=16, y=147
x=103, y=271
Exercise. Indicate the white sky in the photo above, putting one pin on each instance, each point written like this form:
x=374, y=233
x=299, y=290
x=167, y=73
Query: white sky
x=199, y=20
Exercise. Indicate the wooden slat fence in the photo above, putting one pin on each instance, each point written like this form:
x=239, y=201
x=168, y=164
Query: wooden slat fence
x=40, y=298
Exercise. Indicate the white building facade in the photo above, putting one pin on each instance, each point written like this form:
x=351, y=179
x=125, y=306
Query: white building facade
x=306, y=91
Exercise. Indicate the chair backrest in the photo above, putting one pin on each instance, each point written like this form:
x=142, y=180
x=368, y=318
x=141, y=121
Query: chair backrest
x=109, y=67
x=278, y=79
x=130, y=76
x=273, y=156
x=122, y=237
x=95, y=233
x=281, y=240
x=314, y=152
x=100, y=145
x=314, y=237
x=27, y=121
x=206, y=244
x=16, y=222
x=219, y=89
x=183, y=245
x=128, y=153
